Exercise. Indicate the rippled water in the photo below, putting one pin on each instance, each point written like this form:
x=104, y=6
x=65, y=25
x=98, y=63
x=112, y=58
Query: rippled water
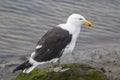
x=23, y=22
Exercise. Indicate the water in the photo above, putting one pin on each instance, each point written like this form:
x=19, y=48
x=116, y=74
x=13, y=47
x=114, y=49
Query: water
x=23, y=22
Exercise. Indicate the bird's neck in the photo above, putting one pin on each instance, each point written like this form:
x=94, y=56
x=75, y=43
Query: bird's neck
x=73, y=29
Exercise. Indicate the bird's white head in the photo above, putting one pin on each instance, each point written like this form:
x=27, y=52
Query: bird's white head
x=78, y=20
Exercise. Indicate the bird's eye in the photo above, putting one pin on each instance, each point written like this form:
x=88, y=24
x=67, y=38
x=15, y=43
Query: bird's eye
x=81, y=19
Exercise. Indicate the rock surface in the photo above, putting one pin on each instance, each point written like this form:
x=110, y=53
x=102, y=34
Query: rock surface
x=76, y=72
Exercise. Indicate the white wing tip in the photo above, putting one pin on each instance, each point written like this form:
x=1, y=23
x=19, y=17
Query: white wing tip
x=38, y=46
x=29, y=69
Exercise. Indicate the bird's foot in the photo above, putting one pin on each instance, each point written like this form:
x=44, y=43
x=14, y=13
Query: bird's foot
x=60, y=69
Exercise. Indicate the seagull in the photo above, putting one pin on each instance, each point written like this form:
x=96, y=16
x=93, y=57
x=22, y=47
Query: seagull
x=56, y=42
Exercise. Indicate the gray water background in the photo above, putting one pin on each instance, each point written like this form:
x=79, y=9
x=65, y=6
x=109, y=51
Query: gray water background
x=24, y=22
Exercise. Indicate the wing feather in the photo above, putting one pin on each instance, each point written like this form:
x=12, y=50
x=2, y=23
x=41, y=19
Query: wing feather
x=53, y=42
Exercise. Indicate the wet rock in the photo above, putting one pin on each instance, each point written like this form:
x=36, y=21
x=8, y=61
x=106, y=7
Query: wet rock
x=76, y=72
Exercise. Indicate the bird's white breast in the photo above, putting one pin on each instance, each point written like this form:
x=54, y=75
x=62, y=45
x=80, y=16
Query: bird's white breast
x=75, y=32
x=70, y=47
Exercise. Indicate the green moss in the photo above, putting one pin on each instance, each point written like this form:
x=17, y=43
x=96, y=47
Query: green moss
x=76, y=72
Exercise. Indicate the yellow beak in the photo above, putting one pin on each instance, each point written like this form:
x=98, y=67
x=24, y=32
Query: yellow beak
x=88, y=23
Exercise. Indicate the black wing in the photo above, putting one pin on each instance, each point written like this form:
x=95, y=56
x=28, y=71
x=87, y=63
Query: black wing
x=53, y=42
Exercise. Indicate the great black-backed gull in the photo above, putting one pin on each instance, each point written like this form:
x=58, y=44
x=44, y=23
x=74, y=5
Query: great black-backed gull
x=56, y=42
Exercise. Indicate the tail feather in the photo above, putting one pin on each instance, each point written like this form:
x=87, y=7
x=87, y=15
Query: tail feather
x=28, y=70
x=23, y=66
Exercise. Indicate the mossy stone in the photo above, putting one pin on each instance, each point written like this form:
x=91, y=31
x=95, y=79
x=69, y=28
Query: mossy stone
x=76, y=72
